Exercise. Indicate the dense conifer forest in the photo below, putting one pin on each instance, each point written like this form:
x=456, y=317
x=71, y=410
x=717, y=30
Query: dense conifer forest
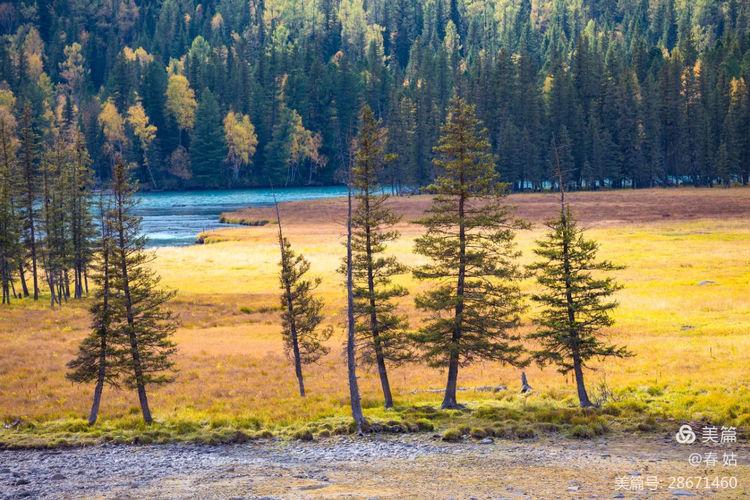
x=221, y=93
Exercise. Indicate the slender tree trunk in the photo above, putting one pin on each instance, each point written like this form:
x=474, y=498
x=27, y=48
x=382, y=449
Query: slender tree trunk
x=5, y=280
x=583, y=396
x=102, y=344
x=66, y=281
x=293, y=335
x=32, y=236
x=34, y=271
x=147, y=165
x=52, y=287
x=450, y=399
x=78, y=281
x=356, y=403
x=374, y=327
x=12, y=285
x=298, y=366
x=93, y=415
x=137, y=368
x=22, y=277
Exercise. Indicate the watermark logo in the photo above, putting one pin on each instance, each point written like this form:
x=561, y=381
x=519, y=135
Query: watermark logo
x=685, y=435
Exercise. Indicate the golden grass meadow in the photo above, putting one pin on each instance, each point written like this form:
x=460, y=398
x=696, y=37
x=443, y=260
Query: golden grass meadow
x=684, y=313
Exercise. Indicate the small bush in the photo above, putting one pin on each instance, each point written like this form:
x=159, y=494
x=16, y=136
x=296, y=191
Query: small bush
x=502, y=431
x=478, y=433
x=582, y=432
x=647, y=425
x=546, y=427
x=524, y=432
x=303, y=435
x=342, y=429
x=452, y=435
x=424, y=424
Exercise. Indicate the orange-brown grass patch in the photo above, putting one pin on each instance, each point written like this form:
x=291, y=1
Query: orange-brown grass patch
x=685, y=314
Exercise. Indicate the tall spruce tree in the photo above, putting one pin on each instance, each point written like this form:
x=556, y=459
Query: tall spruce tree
x=29, y=189
x=575, y=303
x=301, y=311
x=78, y=205
x=141, y=322
x=382, y=332
x=474, y=302
x=208, y=149
x=100, y=356
x=10, y=221
x=355, y=401
x=54, y=218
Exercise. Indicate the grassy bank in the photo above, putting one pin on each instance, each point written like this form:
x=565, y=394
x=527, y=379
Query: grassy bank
x=506, y=416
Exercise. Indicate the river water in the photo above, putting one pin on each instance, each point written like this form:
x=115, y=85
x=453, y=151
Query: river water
x=174, y=218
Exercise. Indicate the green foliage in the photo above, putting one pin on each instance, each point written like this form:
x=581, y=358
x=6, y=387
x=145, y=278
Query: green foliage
x=576, y=300
x=141, y=326
x=381, y=330
x=208, y=147
x=452, y=435
x=474, y=303
x=301, y=310
x=10, y=217
x=649, y=93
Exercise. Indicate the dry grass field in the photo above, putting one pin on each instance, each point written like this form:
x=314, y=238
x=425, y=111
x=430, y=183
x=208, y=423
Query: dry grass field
x=685, y=314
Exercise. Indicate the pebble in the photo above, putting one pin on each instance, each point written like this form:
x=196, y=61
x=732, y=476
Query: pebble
x=683, y=493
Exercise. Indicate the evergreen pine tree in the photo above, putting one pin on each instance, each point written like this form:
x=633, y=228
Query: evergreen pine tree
x=474, y=301
x=207, y=148
x=10, y=221
x=29, y=189
x=381, y=331
x=278, y=151
x=301, y=311
x=141, y=322
x=54, y=219
x=78, y=204
x=355, y=401
x=99, y=358
x=575, y=304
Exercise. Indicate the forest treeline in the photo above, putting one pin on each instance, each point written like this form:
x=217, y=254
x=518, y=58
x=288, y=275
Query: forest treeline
x=218, y=93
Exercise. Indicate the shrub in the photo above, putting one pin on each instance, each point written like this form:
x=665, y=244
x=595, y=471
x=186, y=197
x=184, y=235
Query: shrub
x=424, y=424
x=452, y=435
x=303, y=435
x=525, y=432
x=478, y=433
x=581, y=432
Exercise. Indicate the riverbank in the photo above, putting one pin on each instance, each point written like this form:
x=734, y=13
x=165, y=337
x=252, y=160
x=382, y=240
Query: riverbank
x=420, y=466
x=598, y=208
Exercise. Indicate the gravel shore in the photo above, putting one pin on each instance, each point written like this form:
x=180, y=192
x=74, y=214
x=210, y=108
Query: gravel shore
x=415, y=466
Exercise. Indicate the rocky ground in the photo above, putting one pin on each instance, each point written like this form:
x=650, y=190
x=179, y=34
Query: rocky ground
x=418, y=466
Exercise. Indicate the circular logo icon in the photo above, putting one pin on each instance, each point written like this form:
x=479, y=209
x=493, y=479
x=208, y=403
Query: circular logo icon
x=685, y=435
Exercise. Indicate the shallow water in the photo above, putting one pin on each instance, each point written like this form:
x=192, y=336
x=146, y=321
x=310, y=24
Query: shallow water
x=174, y=218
